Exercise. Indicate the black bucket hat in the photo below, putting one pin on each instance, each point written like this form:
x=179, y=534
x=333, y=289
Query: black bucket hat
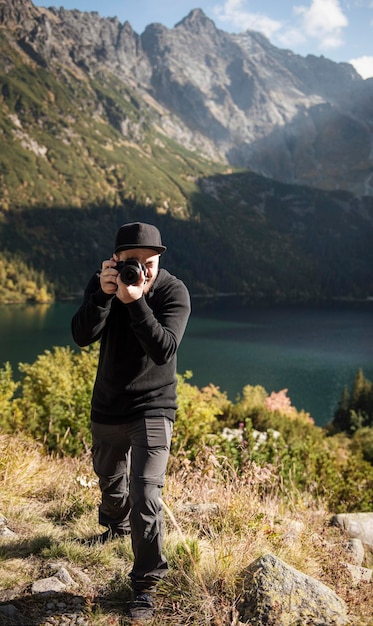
x=139, y=235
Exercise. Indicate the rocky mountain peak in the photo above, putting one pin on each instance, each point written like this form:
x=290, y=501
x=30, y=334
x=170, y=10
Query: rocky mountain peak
x=16, y=12
x=197, y=22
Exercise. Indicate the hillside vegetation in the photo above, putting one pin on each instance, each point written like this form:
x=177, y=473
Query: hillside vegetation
x=71, y=149
x=51, y=403
x=229, y=496
x=20, y=282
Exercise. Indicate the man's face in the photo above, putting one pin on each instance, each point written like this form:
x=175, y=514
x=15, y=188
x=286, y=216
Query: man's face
x=149, y=258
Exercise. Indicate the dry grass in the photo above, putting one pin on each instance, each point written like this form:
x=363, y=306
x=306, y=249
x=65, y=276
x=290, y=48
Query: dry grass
x=216, y=524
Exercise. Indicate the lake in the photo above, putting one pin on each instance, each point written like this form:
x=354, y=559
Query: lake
x=312, y=352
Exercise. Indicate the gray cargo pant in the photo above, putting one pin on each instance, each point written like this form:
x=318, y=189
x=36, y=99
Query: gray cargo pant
x=130, y=460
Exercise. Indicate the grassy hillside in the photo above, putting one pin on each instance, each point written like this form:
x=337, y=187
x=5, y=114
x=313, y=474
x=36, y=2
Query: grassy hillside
x=217, y=523
x=229, y=499
x=69, y=140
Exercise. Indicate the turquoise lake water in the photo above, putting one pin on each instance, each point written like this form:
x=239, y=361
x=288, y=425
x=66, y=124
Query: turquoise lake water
x=312, y=352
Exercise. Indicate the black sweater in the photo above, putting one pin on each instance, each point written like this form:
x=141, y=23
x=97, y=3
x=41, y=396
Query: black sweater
x=137, y=365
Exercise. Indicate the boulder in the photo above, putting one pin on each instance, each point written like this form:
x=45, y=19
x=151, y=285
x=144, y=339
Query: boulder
x=277, y=594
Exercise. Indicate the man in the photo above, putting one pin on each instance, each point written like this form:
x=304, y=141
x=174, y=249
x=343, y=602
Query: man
x=140, y=326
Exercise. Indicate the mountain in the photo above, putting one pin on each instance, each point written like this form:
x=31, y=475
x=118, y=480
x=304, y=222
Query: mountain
x=255, y=162
x=307, y=121
x=232, y=97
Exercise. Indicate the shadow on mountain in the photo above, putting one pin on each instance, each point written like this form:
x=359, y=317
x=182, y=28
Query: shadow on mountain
x=246, y=234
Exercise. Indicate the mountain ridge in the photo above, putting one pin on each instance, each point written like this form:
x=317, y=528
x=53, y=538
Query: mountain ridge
x=236, y=98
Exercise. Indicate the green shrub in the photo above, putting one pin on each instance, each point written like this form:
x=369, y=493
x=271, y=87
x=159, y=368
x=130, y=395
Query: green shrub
x=198, y=410
x=355, y=408
x=352, y=487
x=362, y=443
x=54, y=402
x=8, y=388
x=301, y=457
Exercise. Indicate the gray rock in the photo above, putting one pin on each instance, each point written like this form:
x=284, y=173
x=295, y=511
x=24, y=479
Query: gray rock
x=9, y=611
x=47, y=586
x=7, y=533
x=356, y=550
x=275, y=593
x=359, y=574
x=4, y=530
x=60, y=572
x=356, y=526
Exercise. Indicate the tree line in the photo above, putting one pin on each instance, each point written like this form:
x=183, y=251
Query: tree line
x=20, y=282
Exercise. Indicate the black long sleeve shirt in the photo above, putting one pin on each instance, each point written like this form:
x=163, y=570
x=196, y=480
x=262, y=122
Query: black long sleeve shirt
x=136, y=373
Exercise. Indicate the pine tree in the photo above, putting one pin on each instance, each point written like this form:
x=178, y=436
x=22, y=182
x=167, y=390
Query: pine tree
x=354, y=410
x=342, y=413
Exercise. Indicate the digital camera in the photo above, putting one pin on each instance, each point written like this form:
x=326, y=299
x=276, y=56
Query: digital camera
x=130, y=271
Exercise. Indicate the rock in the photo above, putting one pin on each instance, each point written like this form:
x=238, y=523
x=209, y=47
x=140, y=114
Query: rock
x=7, y=533
x=275, y=593
x=48, y=586
x=9, y=611
x=359, y=574
x=356, y=550
x=4, y=530
x=62, y=574
x=356, y=526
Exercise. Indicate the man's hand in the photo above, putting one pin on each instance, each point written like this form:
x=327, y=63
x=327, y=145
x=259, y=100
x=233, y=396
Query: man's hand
x=130, y=293
x=108, y=276
x=111, y=283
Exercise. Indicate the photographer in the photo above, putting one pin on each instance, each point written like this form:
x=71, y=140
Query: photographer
x=139, y=313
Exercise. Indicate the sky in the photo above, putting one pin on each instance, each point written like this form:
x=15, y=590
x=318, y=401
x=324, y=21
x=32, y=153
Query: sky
x=340, y=30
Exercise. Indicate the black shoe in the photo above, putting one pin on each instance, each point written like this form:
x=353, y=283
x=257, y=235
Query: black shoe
x=109, y=535
x=142, y=607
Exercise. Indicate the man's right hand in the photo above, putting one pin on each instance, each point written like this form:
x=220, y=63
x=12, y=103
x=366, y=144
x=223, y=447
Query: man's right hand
x=108, y=276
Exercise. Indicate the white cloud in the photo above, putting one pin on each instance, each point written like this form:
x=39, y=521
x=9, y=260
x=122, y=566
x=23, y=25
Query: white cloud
x=233, y=11
x=320, y=20
x=363, y=65
x=324, y=21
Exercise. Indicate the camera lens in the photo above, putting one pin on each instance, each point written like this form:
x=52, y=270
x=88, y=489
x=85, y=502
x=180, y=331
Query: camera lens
x=130, y=275
x=130, y=272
